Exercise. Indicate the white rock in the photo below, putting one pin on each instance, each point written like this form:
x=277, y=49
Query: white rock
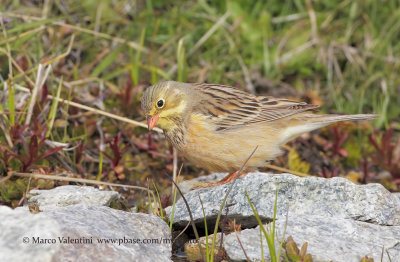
x=83, y=227
x=329, y=239
x=334, y=197
x=341, y=221
x=71, y=195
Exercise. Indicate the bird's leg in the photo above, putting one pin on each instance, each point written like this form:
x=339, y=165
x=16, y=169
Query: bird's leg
x=229, y=178
x=223, y=181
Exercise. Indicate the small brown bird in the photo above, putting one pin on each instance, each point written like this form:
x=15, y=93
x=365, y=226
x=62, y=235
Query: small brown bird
x=217, y=126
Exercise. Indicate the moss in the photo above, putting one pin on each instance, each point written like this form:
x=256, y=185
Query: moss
x=296, y=163
x=353, y=149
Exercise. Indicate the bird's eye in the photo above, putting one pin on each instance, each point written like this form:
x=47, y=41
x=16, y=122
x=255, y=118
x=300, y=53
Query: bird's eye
x=160, y=103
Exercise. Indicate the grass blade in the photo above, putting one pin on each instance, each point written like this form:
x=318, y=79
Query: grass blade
x=107, y=61
x=53, y=109
x=269, y=234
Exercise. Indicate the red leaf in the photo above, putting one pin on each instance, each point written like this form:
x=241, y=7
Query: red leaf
x=343, y=152
x=50, y=152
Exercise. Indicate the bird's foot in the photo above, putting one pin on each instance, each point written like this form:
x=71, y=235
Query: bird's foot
x=223, y=181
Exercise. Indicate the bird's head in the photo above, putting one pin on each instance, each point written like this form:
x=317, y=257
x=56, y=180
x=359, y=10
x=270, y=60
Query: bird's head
x=165, y=103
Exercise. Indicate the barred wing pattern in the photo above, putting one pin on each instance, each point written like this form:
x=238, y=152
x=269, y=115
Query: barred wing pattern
x=230, y=107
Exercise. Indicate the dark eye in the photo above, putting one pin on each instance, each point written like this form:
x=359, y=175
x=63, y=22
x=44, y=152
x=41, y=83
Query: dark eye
x=160, y=103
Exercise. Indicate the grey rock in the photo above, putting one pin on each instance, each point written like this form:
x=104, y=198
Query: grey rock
x=329, y=239
x=83, y=227
x=397, y=195
x=71, y=195
x=335, y=197
x=16, y=227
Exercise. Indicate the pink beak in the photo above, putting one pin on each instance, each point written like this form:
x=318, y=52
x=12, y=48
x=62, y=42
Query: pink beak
x=152, y=121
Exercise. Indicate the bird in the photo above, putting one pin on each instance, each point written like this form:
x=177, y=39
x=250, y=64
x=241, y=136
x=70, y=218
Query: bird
x=218, y=126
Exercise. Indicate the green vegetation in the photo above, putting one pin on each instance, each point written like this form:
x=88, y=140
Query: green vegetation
x=100, y=55
x=269, y=233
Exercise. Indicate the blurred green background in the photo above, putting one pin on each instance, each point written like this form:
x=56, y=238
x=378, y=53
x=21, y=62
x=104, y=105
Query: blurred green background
x=347, y=51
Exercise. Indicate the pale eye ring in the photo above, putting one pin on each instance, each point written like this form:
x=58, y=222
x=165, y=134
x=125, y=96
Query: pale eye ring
x=160, y=103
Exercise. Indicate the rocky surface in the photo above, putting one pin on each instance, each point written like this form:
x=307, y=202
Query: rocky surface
x=81, y=232
x=71, y=195
x=328, y=239
x=341, y=221
x=16, y=225
x=297, y=196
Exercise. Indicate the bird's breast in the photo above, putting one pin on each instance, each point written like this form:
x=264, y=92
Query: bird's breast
x=203, y=146
x=175, y=137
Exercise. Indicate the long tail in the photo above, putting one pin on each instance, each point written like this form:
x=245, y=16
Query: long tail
x=330, y=119
x=311, y=122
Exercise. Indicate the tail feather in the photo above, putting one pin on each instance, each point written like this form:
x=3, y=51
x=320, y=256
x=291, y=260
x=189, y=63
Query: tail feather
x=329, y=119
x=312, y=122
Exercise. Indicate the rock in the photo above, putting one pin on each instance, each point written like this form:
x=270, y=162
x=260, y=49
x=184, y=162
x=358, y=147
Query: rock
x=81, y=232
x=297, y=196
x=397, y=195
x=71, y=195
x=341, y=221
x=16, y=227
x=329, y=239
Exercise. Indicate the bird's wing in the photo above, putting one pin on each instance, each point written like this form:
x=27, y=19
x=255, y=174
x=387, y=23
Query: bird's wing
x=229, y=107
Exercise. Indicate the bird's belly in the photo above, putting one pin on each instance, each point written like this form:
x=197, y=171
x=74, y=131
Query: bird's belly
x=227, y=151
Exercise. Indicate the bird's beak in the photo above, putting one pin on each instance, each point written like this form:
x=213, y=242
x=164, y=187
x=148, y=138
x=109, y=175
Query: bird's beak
x=152, y=121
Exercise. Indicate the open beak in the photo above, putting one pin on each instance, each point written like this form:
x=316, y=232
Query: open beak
x=152, y=121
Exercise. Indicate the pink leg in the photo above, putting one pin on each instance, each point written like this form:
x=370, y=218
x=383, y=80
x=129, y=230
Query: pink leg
x=223, y=181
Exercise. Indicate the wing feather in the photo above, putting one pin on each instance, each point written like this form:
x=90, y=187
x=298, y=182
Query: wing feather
x=230, y=108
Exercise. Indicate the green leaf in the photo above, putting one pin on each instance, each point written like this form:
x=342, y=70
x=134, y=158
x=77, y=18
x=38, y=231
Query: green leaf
x=107, y=61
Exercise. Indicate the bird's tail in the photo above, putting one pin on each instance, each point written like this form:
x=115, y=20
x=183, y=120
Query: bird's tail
x=330, y=119
x=311, y=122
